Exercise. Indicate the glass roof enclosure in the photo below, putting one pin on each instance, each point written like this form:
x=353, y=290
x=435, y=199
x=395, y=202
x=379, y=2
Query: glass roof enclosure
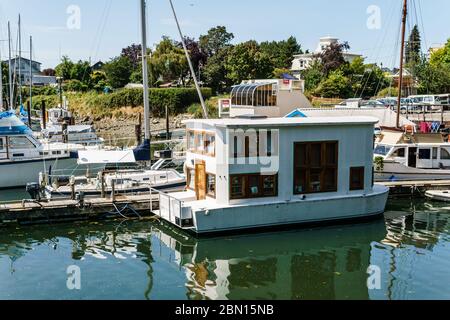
x=254, y=94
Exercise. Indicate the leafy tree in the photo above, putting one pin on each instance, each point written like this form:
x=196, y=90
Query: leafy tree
x=81, y=71
x=215, y=40
x=49, y=72
x=313, y=75
x=214, y=72
x=118, y=71
x=413, y=47
x=133, y=53
x=433, y=77
x=64, y=69
x=98, y=80
x=198, y=57
x=332, y=58
x=281, y=52
x=247, y=61
x=169, y=61
x=335, y=86
x=366, y=79
x=441, y=56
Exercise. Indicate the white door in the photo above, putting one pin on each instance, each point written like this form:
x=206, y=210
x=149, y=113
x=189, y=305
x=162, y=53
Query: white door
x=3, y=148
x=424, y=159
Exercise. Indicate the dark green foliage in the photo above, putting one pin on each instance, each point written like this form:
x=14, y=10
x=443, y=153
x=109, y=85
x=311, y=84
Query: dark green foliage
x=118, y=71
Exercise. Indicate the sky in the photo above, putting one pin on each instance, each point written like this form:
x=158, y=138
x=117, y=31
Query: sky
x=103, y=27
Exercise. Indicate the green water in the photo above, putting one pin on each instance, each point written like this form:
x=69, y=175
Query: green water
x=147, y=260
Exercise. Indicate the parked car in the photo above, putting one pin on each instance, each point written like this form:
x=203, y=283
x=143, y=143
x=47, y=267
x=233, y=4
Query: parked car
x=372, y=104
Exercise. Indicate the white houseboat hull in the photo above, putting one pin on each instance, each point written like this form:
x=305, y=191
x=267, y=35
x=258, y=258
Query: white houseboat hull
x=272, y=214
x=395, y=171
x=17, y=174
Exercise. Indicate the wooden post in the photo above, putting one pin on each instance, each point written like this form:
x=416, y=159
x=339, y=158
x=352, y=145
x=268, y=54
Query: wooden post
x=138, y=130
x=44, y=118
x=113, y=190
x=402, y=56
x=167, y=124
x=102, y=181
x=29, y=112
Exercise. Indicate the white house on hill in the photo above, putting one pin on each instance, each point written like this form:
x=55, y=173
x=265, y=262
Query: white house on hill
x=303, y=61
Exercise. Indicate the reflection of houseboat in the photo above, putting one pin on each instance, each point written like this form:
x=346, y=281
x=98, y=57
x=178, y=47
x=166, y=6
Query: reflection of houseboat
x=271, y=98
x=248, y=173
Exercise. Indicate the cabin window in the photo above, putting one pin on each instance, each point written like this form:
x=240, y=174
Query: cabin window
x=203, y=143
x=211, y=185
x=424, y=154
x=445, y=155
x=315, y=167
x=20, y=143
x=256, y=144
x=399, y=153
x=246, y=186
x=357, y=178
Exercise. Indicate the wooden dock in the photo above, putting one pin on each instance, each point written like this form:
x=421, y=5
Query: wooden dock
x=415, y=188
x=64, y=210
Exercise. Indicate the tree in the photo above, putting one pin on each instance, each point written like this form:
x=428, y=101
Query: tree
x=169, y=61
x=98, y=80
x=64, y=69
x=366, y=79
x=118, y=71
x=332, y=58
x=247, y=61
x=335, y=86
x=413, y=47
x=441, y=56
x=49, y=72
x=81, y=71
x=133, y=53
x=281, y=52
x=313, y=75
x=198, y=57
x=214, y=72
x=433, y=77
x=215, y=40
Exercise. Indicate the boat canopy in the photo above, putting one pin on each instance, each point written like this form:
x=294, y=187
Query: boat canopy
x=11, y=125
x=257, y=94
x=105, y=157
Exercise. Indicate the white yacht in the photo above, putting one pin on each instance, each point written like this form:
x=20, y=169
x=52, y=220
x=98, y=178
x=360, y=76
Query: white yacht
x=132, y=179
x=22, y=156
x=78, y=134
x=246, y=173
x=403, y=156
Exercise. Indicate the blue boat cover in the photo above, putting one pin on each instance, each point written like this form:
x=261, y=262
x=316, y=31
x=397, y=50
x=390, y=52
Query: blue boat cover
x=296, y=114
x=10, y=125
x=142, y=152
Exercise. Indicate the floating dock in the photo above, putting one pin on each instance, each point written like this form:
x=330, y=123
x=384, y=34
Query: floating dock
x=65, y=210
x=414, y=188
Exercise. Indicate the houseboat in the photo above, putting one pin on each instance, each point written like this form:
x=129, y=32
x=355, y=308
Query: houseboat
x=253, y=172
x=22, y=156
x=268, y=97
x=411, y=156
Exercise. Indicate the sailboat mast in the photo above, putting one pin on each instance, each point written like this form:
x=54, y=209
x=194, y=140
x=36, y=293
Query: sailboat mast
x=19, y=85
x=400, y=83
x=11, y=93
x=31, y=71
x=145, y=70
x=1, y=81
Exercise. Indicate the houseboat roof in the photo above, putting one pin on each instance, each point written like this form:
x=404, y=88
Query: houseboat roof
x=285, y=122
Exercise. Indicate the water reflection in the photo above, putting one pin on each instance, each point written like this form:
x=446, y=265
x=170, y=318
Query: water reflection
x=146, y=260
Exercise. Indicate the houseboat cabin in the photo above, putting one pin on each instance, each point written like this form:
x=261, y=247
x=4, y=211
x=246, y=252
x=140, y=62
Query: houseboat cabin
x=270, y=98
x=250, y=172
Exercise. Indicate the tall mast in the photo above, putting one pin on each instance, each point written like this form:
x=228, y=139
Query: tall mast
x=11, y=93
x=19, y=85
x=31, y=71
x=145, y=70
x=400, y=83
x=1, y=81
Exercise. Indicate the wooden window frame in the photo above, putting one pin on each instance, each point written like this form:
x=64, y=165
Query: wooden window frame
x=307, y=167
x=362, y=176
x=245, y=186
x=189, y=178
